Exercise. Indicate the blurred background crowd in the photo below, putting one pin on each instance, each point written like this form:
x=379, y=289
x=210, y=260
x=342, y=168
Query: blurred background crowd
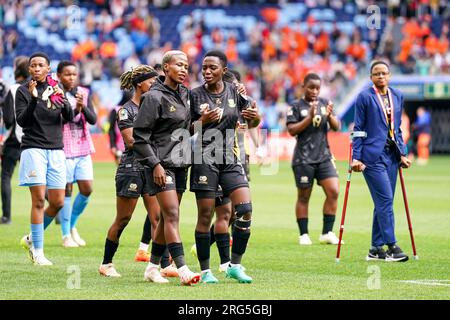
x=274, y=44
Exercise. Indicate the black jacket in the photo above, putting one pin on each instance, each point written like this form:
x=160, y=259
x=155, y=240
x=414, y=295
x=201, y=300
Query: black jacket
x=156, y=131
x=42, y=126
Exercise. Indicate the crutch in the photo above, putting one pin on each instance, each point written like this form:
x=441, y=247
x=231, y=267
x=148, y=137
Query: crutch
x=354, y=134
x=405, y=200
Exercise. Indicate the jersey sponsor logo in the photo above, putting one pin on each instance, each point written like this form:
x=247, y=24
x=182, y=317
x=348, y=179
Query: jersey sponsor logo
x=203, y=180
x=304, y=179
x=132, y=187
x=32, y=174
x=123, y=114
x=304, y=113
x=169, y=180
x=172, y=109
x=231, y=103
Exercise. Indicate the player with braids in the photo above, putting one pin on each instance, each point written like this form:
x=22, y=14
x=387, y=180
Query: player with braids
x=130, y=179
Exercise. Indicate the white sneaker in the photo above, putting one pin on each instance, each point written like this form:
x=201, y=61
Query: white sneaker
x=76, y=237
x=39, y=259
x=152, y=274
x=329, y=238
x=304, y=240
x=108, y=270
x=68, y=242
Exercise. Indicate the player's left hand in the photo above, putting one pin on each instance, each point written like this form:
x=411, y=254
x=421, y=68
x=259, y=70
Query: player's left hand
x=405, y=162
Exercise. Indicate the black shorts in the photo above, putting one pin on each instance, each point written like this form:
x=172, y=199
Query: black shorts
x=208, y=177
x=131, y=184
x=306, y=173
x=176, y=179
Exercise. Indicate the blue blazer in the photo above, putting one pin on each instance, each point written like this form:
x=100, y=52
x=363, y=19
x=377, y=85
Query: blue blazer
x=369, y=117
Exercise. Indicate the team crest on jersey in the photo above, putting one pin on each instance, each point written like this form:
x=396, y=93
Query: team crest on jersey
x=169, y=180
x=304, y=113
x=203, y=180
x=231, y=103
x=32, y=174
x=172, y=109
x=123, y=114
x=290, y=112
x=323, y=110
x=132, y=187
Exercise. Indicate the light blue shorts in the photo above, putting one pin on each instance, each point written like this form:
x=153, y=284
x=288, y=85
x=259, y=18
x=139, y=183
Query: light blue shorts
x=79, y=168
x=42, y=167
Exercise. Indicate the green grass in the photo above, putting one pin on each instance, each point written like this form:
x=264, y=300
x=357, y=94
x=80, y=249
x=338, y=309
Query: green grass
x=280, y=267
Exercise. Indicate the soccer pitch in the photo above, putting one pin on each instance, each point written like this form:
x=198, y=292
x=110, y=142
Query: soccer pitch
x=281, y=269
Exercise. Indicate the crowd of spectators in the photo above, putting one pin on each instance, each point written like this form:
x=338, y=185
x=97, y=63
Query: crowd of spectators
x=278, y=58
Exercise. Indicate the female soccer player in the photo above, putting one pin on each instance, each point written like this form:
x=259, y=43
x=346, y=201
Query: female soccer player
x=78, y=147
x=41, y=108
x=130, y=179
x=378, y=111
x=308, y=120
x=216, y=106
x=161, y=133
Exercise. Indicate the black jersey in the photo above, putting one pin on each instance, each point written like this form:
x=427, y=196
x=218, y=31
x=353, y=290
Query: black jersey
x=42, y=126
x=312, y=143
x=125, y=119
x=232, y=104
x=161, y=128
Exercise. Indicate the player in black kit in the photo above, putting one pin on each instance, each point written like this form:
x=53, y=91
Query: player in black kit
x=309, y=119
x=130, y=179
x=162, y=145
x=216, y=107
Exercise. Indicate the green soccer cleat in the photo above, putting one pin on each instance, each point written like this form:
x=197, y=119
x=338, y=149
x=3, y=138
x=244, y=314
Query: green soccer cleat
x=237, y=272
x=208, y=277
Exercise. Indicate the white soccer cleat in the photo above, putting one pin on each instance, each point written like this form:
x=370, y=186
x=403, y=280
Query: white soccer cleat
x=68, y=242
x=76, y=237
x=108, y=270
x=39, y=259
x=224, y=267
x=188, y=278
x=152, y=274
x=304, y=240
x=329, y=238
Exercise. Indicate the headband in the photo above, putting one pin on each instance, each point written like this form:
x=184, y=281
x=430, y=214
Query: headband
x=143, y=77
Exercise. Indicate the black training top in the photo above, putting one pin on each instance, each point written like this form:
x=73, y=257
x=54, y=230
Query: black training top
x=125, y=119
x=232, y=104
x=312, y=143
x=161, y=129
x=42, y=126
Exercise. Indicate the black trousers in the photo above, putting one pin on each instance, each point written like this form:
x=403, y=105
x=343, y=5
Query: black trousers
x=9, y=161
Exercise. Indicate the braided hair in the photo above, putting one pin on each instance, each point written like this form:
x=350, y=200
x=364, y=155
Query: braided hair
x=128, y=78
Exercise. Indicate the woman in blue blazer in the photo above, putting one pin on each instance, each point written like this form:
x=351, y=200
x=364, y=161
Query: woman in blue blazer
x=379, y=154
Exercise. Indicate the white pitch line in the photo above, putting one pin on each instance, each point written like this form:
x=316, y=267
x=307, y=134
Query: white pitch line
x=445, y=283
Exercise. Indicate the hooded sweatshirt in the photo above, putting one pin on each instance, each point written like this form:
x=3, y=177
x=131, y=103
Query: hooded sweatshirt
x=161, y=129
